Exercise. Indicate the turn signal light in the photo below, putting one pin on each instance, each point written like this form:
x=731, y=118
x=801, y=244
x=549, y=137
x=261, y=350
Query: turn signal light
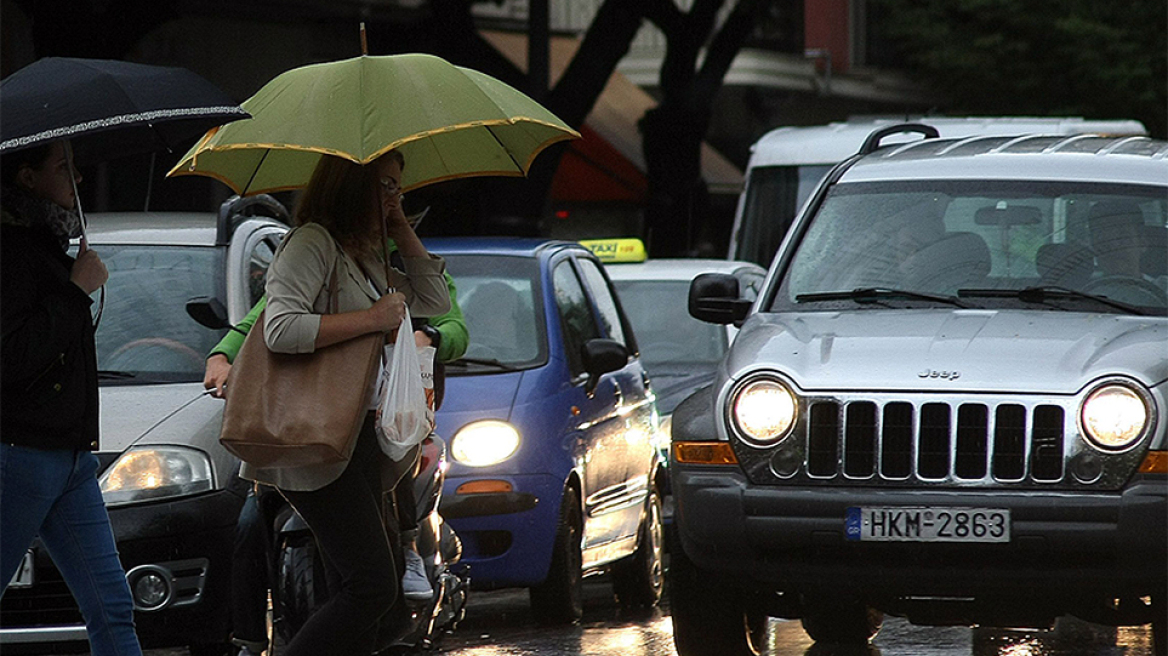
x=483, y=487
x=704, y=453
x=1156, y=462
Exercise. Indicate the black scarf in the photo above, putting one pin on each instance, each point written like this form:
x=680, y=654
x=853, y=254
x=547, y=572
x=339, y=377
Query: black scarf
x=24, y=209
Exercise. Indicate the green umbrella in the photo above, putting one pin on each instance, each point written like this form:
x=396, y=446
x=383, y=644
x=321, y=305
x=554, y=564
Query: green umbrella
x=447, y=121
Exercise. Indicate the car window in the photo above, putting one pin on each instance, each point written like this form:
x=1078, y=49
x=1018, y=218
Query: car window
x=668, y=337
x=575, y=314
x=605, y=303
x=943, y=236
x=499, y=301
x=145, y=329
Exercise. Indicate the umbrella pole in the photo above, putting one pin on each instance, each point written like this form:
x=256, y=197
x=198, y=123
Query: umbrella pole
x=150, y=182
x=84, y=223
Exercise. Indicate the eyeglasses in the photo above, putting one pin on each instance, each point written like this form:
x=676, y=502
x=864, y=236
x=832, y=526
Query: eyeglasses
x=392, y=187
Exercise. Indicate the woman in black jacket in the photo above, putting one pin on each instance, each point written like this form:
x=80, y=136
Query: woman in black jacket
x=48, y=389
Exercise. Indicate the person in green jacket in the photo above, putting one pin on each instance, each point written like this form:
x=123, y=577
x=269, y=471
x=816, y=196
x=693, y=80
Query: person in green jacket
x=447, y=333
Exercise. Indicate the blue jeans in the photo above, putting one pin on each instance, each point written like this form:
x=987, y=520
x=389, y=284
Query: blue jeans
x=54, y=494
x=249, y=574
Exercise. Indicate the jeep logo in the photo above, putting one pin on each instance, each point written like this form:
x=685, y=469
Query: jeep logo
x=932, y=373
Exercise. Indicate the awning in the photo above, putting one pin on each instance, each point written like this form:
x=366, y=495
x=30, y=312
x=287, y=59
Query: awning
x=608, y=162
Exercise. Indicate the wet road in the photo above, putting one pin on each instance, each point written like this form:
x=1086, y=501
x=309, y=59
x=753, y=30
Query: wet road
x=498, y=624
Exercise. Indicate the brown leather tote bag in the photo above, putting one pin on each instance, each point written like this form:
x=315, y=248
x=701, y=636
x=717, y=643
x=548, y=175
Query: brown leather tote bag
x=292, y=410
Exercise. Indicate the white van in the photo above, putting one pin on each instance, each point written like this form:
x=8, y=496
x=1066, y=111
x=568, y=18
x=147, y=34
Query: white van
x=786, y=164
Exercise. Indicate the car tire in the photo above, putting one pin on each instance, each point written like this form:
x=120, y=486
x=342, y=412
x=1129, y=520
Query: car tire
x=843, y=622
x=639, y=580
x=301, y=583
x=560, y=598
x=710, y=619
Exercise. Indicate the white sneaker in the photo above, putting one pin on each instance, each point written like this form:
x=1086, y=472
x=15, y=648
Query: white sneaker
x=247, y=652
x=415, y=583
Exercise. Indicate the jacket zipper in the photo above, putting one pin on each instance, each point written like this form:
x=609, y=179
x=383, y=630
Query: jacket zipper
x=60, y=360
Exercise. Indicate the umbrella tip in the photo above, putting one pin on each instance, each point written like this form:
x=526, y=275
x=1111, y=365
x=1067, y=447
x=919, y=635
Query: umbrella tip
x=364, y=43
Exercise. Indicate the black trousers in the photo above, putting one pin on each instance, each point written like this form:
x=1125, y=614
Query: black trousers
x=346, y=518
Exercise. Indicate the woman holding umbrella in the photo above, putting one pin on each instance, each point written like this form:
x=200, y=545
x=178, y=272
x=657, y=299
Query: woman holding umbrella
x=340, y=221
x=48, y=378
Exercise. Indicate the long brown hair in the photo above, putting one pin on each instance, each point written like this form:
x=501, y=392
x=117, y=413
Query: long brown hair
x=342, y=197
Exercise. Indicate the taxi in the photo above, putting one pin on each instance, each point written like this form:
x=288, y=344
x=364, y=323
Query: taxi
x=680, y=353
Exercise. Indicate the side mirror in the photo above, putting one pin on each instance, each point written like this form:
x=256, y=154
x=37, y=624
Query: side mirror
x=208, y=311
x=713, y=298
x=601, y=356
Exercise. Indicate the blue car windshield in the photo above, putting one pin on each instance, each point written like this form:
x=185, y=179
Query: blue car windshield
x=500, y=299
x=145, y=329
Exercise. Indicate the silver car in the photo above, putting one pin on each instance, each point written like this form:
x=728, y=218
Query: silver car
x=947, y=402
x=171, y=490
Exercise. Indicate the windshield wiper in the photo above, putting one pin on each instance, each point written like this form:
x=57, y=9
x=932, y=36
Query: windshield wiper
x=1047, y=293
x=106, y=374
x=872, y=294
x=489, y=362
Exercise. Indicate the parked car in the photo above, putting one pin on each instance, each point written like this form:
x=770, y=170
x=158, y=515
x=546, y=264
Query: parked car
x=947, y=402
x=551, y=425
x=680, y=353
x=170, y=488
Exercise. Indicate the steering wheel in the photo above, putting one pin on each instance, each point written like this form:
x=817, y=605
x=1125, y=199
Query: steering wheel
x=1135, y=291
x=185, y=351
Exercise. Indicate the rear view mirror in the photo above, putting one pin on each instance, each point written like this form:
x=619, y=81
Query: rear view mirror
x=600, y=356
x=713, y=298
x=208, y=311
x=1008, y=216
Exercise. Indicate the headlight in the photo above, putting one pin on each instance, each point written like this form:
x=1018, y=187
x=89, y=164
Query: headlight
x=763, y=411
x=1114, y=416
x=484, y=443
x=145, y=473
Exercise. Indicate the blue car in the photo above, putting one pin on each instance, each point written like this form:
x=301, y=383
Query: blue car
x=552, y=428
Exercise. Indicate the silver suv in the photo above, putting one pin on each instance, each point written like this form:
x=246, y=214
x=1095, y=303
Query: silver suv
x=946, y=404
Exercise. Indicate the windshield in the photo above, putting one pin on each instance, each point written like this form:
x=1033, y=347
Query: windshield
x=982, y=241
x=668, y=337
x=145, y=329
x=774, y=195
x=500, y=299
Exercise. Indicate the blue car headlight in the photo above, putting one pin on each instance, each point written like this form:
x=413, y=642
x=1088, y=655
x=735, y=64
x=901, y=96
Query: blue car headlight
x=146, y=473
x=484, y=443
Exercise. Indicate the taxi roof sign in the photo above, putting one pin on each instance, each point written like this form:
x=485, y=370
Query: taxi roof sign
x=627, y=249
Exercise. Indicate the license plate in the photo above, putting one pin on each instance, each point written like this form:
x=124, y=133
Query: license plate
x=927, y=524
x=23, y=578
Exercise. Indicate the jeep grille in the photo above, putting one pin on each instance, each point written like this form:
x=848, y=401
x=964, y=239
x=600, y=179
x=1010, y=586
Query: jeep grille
x=886, y=440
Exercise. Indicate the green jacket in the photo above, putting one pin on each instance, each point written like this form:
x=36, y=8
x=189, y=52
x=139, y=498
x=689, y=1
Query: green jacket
x=452, y=327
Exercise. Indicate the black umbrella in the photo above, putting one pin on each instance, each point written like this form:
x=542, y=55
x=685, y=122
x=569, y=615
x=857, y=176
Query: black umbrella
x=108, y=108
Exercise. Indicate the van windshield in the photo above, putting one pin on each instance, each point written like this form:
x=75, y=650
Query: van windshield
x=774, y=195
x=983, y=242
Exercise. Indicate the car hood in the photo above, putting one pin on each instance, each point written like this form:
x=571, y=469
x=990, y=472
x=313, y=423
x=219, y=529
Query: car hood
x=129, y=412
x=672, y=384
x=958, y=350
x=468, y=398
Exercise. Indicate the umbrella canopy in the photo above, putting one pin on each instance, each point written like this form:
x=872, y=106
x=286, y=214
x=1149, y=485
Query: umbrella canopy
x=447, y=121
x=108, y=108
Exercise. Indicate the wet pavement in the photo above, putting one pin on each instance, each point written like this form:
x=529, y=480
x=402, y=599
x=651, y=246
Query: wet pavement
x=498, y=623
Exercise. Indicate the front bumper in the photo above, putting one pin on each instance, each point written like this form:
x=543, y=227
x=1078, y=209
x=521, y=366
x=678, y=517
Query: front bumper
x=507, y=538
x=189, y=541
x=793, y=539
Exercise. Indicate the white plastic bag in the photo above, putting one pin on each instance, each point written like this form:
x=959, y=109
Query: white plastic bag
x=405, y=414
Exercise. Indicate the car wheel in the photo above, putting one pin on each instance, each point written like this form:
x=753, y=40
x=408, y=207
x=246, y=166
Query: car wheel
x=639, y=579
x=845, y=622
x=710, y=619
x=560, y=598
x=301, y=584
